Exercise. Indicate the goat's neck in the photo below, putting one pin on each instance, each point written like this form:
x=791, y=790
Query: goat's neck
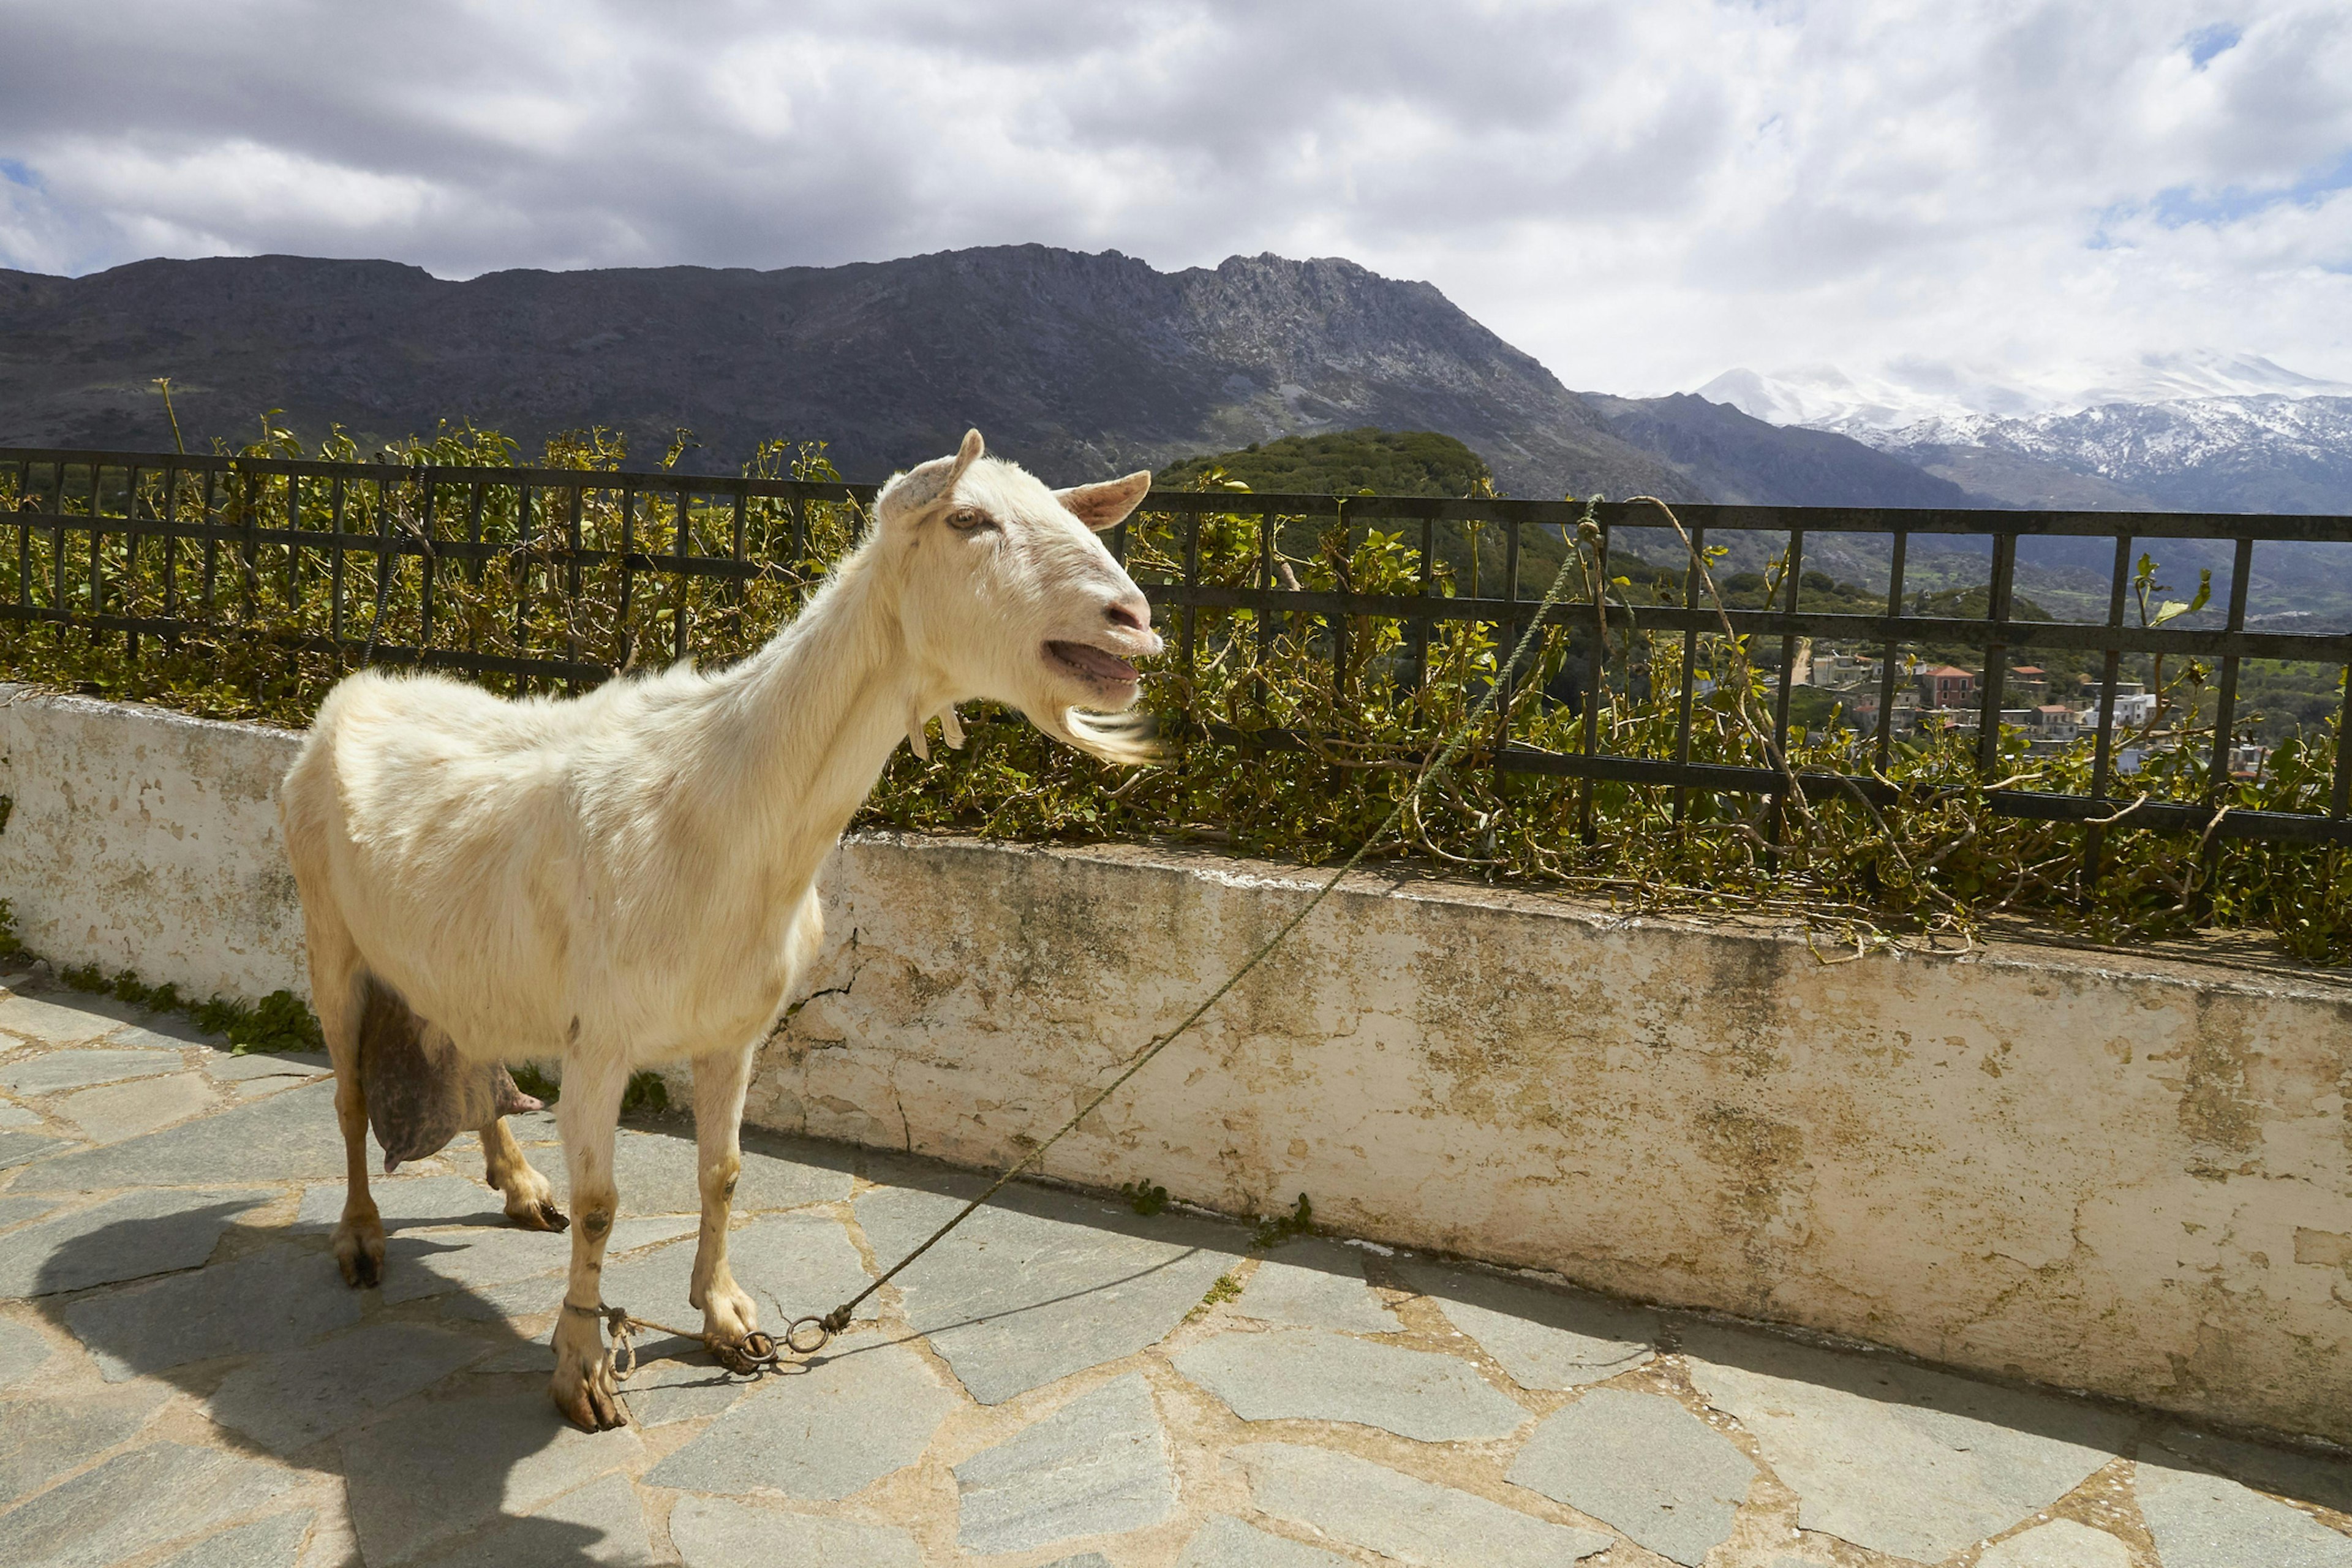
x=805, y=725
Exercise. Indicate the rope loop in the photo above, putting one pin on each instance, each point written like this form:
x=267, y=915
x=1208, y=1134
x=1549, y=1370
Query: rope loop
x=755, y=1353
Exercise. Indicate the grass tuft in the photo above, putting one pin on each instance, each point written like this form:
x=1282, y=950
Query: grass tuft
x=1272, y=1230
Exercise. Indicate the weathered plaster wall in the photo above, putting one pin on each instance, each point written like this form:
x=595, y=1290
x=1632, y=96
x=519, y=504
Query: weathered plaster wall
x=147, y=840
x=2027, y=1161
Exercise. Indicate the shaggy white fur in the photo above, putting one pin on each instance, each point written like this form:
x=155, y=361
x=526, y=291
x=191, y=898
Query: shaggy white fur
x=627, y=878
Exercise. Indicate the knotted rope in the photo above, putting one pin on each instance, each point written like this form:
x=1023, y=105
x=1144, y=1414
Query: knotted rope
x=749, y=1356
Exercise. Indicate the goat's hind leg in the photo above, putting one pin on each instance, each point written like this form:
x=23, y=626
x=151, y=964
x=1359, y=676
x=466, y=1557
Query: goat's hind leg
x=531, y=1198
x=728, y=1313
x=336, y=982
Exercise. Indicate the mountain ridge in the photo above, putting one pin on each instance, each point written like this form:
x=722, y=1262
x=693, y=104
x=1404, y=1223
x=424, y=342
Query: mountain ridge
x=1078, y=363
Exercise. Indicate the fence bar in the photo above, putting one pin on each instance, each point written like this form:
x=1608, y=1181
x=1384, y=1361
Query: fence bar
x=97, y=510
x=1267, y=525
x=1188, y=648
x=335, y=564
x=293, y=552
x=1796, y=573
x=58, y=597
x=2217, y=775
x=1691, y=573
x=685, y=503
x=1587, y=830
x=1507, y=642
x=426, y=512
x=1995, y=664
x=171, y=548
x=2102, y=749
x=2339, y=794
x=628, y=650
x=1428, y=587
x=523, y=493
x=249, y=545
x=571, y=568
x=130, y=554
x=1883, y=748
x=1343, y=577
x=24, y=535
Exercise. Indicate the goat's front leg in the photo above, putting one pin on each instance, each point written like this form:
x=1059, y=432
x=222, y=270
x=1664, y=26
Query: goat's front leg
x=728, y=1313
x=587, y=1115
x=531, y=1198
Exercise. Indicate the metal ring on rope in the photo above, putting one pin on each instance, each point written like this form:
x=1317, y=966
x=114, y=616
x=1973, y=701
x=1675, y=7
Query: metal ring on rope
x=755, y=1353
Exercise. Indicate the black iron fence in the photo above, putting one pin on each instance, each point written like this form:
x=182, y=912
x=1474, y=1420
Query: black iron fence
x=538, y=577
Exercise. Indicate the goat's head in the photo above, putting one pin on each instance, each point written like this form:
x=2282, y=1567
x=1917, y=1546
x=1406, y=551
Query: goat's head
x=1006, y=593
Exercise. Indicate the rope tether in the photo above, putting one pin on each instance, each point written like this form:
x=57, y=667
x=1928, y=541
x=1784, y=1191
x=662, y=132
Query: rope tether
x=752, y=1354
x=817, y=1332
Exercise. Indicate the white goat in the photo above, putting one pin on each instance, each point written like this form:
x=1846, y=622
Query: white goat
x=628, y=878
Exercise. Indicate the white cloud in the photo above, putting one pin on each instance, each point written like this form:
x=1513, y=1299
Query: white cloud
x=1640, y=195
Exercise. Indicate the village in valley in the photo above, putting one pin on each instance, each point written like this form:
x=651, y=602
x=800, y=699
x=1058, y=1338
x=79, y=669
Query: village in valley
x=2054, y=710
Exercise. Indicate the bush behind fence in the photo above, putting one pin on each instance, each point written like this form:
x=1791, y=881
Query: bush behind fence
x=245, y=586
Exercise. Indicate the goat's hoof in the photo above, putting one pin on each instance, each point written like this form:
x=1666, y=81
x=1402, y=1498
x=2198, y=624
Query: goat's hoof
x=586, y=1404
x=540, y=1215
x=583, y=1386
x=740, y=1356
x=359, y=1252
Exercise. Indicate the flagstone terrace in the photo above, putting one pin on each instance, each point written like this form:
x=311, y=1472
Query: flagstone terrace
x=186, y=1380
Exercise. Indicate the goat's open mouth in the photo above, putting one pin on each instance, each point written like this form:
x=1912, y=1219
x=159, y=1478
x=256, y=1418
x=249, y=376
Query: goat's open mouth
x=1089, y=663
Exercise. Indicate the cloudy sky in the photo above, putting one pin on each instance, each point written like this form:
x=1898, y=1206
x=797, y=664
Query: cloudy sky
x=1642, y=196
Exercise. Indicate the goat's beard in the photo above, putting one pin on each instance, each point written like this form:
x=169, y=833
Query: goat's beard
x=1130, y=739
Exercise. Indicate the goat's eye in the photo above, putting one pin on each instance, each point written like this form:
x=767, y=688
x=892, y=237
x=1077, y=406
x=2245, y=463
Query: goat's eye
x=967, y=518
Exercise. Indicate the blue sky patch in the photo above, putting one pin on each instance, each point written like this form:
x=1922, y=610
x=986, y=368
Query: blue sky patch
x=2181, y=206
x=2207, y=42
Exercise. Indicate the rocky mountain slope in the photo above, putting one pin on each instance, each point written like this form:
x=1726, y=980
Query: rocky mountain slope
x=1079, y=365
x=1735, y=457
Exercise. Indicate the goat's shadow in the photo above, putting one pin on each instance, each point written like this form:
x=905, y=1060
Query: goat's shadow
x=432, y=1409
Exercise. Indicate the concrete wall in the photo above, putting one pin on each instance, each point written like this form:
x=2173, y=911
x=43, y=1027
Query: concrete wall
x=2028, y=1161
x=146, y=840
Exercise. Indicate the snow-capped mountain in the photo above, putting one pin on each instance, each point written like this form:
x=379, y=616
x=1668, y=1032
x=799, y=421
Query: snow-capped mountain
x=1909, y=391
x=2181, y=432
x=2263, y=453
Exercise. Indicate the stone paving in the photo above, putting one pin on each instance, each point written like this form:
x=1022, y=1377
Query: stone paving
x=186, y=1381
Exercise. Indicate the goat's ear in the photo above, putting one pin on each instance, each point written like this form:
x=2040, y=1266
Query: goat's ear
x=927, y=484
x=1105, y=505
x=967, y=454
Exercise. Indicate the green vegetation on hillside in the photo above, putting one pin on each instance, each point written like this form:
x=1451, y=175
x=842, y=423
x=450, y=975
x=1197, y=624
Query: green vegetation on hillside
x=1366, y=461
